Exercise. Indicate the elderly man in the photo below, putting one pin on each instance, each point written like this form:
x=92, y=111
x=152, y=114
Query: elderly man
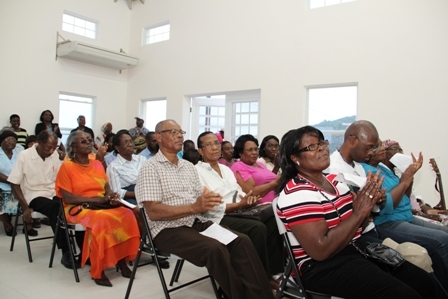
x=360, y=144
x=141, y=129
x=152, y=147
x=170, y=190
x=33, y=179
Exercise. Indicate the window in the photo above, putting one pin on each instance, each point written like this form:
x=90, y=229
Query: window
x=70, y=107
x=155, y=34
x=331, y=110
x=322, y=3
x=154, y=111
x=79, y=25
x=244, y=120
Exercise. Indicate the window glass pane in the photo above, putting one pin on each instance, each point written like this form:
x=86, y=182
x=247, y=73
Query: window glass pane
x=254, y=107
x=155, y=111
x=80, y=22
x=222, y=111
x=254, y=131
x=78, y=30
x=165, y=36
x=237, y=131
x=213, y=121
x=90, y=25
x=90, y=34
x=68, y=19
x=237, y=119
x=237, y=107
x=213, y=110
x=244, y=130
x=201, y=110
x=254, y=119
x=201, y=121
x=67, y=27
x=244, y=119
x=221, y=122
x=245, y=107
x=81, y=26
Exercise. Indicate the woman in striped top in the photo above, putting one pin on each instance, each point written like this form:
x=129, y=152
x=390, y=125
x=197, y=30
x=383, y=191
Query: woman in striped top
x=323, y=219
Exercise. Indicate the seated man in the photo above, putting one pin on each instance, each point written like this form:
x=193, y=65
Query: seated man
x=173, y=197
x=33, y=179
x=151, y=145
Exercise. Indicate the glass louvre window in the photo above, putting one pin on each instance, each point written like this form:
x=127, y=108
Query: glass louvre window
x=79, y=25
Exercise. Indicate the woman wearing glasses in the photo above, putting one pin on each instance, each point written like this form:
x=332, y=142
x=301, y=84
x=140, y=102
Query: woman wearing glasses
x=250, y=174
x=112, y=236
x=220, y=179
x=268, y=153
x=323, y=219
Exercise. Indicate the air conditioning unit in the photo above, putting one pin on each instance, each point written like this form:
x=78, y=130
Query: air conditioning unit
x=95, y=55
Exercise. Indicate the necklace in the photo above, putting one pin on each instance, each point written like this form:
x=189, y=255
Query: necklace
x=76, y=161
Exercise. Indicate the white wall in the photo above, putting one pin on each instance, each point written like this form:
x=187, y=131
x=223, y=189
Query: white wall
x=395, y=50
x=31, y=79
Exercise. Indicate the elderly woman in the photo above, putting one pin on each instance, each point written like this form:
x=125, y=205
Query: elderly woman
x=268, y=153
x=123, y=171
x=46, y=123
x=112, y=235
x=220, y=179
x=324, y=220
x=396, y=214
x=250, y=174
x=227, y=154
x=8, y=156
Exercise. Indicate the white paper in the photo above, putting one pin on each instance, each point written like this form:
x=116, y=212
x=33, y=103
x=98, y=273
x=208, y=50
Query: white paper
x=219, y=233
x=401, y=161
x=128, y=204
x=351, y=179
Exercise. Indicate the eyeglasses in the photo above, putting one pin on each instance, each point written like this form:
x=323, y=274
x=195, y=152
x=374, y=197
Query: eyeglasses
x=10, y=139
x=249, y=150
x=173, y=132
x=210, y=144
x=84, y=141
x=395, y=149
x=314, y=146
x=272, y=146
x=372, y=148
x=127, y=142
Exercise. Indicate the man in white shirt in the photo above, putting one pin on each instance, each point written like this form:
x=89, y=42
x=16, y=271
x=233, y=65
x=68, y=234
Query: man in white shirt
x=33, y=179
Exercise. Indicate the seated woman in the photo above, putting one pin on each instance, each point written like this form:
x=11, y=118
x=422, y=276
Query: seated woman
x=268, y=153
x=8, y=204
x=101, y=138
x=396, y=214
x=250, y=174
x=123, y=171
x=220, y=179
x=112, y=236
x=46, y=123
x=323, y=219
x=227, y=154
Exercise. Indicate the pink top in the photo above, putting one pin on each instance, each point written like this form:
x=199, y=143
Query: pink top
x=260, y=176
x=224, y=162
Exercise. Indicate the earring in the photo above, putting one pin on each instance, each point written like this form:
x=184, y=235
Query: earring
x=298, y=163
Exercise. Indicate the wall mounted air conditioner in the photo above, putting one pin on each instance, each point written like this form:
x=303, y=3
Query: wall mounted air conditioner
x=94, y=55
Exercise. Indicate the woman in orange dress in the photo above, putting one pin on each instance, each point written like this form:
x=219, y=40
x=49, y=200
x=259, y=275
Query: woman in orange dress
x=112, y=236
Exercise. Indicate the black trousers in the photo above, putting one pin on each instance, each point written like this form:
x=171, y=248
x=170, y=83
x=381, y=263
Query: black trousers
x=350, y=275
x=50, y=208
x=235, y=266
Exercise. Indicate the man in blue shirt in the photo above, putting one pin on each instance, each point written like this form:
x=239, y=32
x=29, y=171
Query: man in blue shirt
x=152, y=146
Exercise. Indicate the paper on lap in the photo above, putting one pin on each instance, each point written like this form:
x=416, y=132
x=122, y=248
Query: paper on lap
x=219, y=233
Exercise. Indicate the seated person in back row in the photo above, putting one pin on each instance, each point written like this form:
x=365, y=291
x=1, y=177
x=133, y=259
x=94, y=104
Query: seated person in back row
x=32, y=181
x=173, y=197
x=152, y=147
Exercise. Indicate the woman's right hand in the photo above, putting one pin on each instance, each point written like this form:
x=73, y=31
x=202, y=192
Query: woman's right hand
x=249, y=200
x=369, y=195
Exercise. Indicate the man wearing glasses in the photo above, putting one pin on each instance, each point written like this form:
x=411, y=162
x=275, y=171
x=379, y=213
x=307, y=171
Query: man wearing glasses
x=174, y=199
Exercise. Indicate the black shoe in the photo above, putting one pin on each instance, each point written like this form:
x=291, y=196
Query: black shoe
x=164, y=264
x=10, y=231
x=31, y=232
x=66, y=261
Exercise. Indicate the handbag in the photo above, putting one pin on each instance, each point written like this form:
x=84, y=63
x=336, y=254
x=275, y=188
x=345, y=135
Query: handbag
x=260, y=212
x=381, y=253
x=91, y=206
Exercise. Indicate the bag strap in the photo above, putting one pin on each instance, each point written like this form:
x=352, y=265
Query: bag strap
x=79, y=209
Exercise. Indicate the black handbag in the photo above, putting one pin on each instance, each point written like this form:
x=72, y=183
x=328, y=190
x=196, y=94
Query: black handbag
x=91, y=206
x=260, y=212
x=381, y=253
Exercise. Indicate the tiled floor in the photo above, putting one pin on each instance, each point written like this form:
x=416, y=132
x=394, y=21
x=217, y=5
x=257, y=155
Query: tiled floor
x=20, y=279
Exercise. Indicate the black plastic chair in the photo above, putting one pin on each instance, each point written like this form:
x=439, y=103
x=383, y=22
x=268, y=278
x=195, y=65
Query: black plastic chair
x=292, y=286
x=147, y=245
x=70, y=229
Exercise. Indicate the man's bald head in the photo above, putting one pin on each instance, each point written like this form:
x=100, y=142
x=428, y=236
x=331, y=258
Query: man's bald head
x=360, y=141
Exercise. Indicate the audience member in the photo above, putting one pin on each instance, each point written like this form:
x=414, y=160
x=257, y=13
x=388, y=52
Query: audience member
x=227, y=154
x=21, y=133
x=8, y=156
x=141, y=129
x=250, y=174
x=192, y=156
x=268, y=153
x=220, y=135
x=105, y=129
x=82, y=126
x=324, y=222
x=187, y=145
x=112, y=236
x=46, y=118
x=152, y=147
x=220, y=179
x=109, y=157
x=30, y=141
x=140, y=144
x=32, y=182
x=173, y=197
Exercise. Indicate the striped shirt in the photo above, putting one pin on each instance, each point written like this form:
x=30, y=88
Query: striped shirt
x=302, y=202
x=123, y=173
x=174, y=185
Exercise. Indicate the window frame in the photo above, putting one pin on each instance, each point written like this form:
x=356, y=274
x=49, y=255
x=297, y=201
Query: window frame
x=147, y=30
x=83, y=18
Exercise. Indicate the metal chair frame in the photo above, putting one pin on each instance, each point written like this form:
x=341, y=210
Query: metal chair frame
x=147, y=240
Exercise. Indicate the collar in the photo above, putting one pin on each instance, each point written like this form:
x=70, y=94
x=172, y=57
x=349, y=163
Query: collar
x=122, y=160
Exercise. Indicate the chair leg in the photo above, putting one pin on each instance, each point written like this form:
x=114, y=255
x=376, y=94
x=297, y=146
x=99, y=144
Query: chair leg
x=176, y=272
x=134, y=270
x=27, y=241
x=215, y=288
x=71, y=242
x=14, y=232
x=53, y=247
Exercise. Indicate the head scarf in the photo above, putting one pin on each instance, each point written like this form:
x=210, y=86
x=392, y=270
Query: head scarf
x=103, y=127
x=140, y=143
x=388, y=143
